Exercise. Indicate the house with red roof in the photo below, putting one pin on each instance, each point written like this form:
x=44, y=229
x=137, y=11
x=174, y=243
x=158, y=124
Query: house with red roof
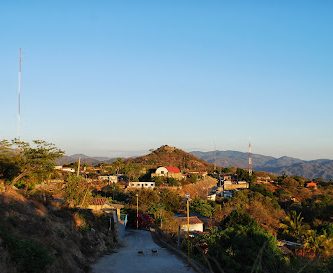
x=169, y=171
x=311, y=185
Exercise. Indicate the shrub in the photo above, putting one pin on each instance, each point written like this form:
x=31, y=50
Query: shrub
x=30, y=256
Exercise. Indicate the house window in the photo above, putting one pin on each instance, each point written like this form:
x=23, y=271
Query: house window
x=146, y=185
x=162, y=172
x=151, y=184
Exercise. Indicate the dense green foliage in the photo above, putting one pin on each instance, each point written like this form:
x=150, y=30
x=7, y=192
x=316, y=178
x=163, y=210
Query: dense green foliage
x=203, y=207
x=77, y=191
x=241, y=245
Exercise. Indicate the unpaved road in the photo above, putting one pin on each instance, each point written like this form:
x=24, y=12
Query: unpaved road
x=128, y=260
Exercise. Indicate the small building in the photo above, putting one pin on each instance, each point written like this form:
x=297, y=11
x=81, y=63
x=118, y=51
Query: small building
x=211, y=197
x=99, y=204
x=64, y=169
x=311, y=185
x=264, y=179
x=195, y=224
x=144, y=185
x=109, y=178
x=228, y=185
x=168, y=171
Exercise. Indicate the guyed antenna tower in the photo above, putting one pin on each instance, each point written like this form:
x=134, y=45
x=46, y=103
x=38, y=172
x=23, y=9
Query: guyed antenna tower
x=18, y=133
x=250, y=159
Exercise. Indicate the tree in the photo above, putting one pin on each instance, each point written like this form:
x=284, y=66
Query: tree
x=241, y=245
x=9, y=167
x=31, y=162
x=202, y=207
x=77, y=192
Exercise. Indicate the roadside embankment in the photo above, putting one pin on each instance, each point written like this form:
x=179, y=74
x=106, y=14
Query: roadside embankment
x=38, y=237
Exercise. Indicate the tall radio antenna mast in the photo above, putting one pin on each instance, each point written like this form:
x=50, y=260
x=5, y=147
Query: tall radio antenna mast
x=250, y=158
x=19, y=96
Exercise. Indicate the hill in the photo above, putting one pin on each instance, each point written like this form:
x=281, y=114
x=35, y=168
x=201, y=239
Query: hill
x=291, y=166
x=167, y=155
x=89, y=160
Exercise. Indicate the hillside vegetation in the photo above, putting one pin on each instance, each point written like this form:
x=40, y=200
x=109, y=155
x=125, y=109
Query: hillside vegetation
x=171, y=156
x=38, y=237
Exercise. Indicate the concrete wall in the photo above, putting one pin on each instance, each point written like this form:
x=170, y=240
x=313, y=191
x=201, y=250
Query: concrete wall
x=193, y=227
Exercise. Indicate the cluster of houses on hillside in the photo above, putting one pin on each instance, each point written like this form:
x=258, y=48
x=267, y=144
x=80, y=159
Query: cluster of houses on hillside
x=226, y=186
x=163, y=171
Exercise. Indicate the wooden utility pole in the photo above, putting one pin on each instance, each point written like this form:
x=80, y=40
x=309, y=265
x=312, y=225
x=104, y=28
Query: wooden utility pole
x=78, y=167
x=188, y=224
x=137, y=211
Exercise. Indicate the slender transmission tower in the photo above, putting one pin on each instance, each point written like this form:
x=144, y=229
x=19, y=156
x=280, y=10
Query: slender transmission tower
x=19, y=96
x=250, y=159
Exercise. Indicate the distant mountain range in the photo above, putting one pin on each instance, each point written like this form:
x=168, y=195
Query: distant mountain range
x=291, y=166
x=90, y=160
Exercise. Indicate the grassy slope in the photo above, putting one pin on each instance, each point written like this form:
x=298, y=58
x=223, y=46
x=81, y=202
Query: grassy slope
x=63, y=237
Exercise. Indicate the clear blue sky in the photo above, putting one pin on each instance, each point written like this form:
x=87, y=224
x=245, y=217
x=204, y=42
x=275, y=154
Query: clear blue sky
x=107, y=76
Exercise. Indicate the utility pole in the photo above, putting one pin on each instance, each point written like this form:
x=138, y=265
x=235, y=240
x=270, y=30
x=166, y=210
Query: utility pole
x=78, y=167
x=188, y=224
x=137, y=211
x=19, y=96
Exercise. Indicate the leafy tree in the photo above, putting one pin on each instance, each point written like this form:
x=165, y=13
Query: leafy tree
x=77, y=192
x=27, y=161
x=133, y=171
x=173, y=181
x=9, y=167
x=243, y=175
x=241, y=245
x=202, y=207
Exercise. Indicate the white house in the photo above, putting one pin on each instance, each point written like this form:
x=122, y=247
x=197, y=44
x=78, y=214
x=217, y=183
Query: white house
x=145, y=185
x=168, y=171
x=64, y=169
x=195, y=223
x=109, y=178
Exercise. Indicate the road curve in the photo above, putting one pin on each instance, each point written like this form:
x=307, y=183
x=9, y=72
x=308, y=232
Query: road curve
x=136, y=256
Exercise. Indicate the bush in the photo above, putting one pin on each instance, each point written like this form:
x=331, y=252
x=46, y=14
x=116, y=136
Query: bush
x=241, y=245
x=29, y=255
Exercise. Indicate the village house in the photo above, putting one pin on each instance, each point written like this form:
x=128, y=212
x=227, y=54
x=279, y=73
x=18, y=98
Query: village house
x=312, y=185
x=109, y=178
x=230, y=185
x=264, y=179
x=138, y=185
x=168, y=171
x=64, y=169
x=101, y=203
x=195, y=224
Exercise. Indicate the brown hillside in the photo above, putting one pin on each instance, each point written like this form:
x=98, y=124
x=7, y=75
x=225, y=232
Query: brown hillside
x=171, y=156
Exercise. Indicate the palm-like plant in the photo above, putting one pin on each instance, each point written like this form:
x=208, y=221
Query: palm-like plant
x=293, y=225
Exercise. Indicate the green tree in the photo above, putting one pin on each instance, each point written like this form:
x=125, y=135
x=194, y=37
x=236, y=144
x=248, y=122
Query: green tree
x=27, y=161
x=202, y=207
x=77, y=192
x=241, y=245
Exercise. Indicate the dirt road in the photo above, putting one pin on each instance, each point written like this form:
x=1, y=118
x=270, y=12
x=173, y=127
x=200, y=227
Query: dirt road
x=136, y=256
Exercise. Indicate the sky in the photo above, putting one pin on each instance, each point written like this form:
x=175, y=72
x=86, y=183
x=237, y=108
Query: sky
x=121, y=77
